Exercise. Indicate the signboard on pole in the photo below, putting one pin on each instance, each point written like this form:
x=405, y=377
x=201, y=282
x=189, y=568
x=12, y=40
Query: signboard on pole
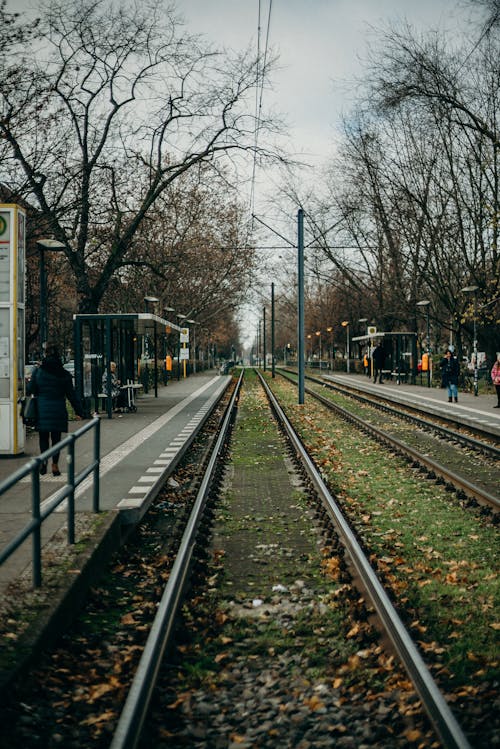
x=12, y=333
x=184, y=335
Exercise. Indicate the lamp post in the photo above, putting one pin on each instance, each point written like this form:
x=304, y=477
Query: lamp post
x=300, y=305
x=330, y=355
x=264, y=346
x=273, y=341
x=149, y=300
x=345, y=324
x=43, y=245
x=309, y=338
x=473, y=290
x=193, y=323
x=165, y=312
x=365, y=320
x=180, y=318
x=318, y=333
x=425, y=303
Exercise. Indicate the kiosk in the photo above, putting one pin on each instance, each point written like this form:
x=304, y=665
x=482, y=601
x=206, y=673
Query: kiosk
x=12, y=301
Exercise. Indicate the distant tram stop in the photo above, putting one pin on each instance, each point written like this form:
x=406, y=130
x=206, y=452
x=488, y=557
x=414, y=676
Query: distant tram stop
x=140, y=344
x=400, y=349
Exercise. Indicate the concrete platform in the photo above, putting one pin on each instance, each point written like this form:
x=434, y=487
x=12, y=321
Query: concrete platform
x=137, y=450
x=471, y=410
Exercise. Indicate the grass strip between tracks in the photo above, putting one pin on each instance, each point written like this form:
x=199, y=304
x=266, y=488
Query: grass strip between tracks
x=440, y=561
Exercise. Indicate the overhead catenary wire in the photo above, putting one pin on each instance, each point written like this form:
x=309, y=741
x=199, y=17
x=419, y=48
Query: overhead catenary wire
x=259, y=93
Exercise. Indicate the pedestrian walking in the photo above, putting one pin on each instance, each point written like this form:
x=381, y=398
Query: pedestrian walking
x=450, y=370
x=495, y=377
x=378, y=358
x=52, y=385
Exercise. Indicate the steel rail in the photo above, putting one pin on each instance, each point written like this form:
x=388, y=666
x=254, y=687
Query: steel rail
x=433, y=701
x=457, y=481
x=130, y=723
x=376, y=402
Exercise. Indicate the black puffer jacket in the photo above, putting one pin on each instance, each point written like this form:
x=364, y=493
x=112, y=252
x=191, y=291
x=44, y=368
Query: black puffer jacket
x=450, y=370
x=52, y=384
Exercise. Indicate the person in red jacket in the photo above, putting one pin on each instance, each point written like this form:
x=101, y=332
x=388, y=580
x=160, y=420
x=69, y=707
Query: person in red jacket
x=495, y=377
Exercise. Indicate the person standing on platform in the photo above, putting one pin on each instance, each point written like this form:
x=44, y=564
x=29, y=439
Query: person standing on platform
x=118, y=395
x=495, y=377
x=378, y=358
x=366, y=364
x=450, y=370
x=52, y=385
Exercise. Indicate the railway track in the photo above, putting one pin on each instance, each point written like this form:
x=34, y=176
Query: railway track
x=193, y=550
x=454, y=480
x=449, y=428
x=135, y=710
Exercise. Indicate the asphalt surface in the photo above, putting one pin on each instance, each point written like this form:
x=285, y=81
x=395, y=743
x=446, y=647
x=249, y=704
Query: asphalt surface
x=137, y=449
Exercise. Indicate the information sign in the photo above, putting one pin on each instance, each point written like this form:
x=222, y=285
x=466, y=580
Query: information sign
x=12, y=333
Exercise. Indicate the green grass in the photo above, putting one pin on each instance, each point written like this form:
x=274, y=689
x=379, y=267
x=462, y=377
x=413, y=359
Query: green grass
x=441, y=560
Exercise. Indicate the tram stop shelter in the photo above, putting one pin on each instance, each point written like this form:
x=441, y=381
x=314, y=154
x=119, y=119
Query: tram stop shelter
x=400, y=353
x=135, y=342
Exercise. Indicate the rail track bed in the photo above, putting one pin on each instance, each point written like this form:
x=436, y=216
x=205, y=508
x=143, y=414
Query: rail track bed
x=466, y=463
x=276, y=645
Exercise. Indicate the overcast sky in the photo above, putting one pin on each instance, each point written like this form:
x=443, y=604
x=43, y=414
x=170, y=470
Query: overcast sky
x=321, y=45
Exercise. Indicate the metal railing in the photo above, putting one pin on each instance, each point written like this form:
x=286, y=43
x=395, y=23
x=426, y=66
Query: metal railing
x=67, y=492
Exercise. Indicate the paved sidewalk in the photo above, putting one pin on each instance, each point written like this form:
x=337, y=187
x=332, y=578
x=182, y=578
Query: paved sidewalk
x=130, y=445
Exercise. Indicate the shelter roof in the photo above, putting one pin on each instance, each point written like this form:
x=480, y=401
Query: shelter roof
x=384, y=334
x=141, y=322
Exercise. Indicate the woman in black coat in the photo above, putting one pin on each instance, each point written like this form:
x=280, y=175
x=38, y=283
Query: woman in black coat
x=52, y=384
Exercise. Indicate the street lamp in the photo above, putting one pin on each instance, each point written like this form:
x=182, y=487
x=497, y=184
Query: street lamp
x=318, y=333
x=149, y=300
x=180, y=318
x=45, y=244
x=473, y=290
x=365, y=320
x=345, y=324
x=193, y=323
x=425, y=303
x=330, y=330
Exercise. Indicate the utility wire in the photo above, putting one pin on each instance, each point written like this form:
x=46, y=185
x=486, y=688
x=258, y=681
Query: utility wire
x=259, y=93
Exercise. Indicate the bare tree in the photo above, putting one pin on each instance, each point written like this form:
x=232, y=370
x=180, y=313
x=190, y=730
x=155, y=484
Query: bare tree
x=114, y=105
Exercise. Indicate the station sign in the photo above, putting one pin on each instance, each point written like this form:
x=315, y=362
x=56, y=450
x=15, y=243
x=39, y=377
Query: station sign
x=184, y=335
x=12, y=332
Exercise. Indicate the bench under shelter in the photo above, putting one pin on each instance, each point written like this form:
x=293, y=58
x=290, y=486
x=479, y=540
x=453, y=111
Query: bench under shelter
x=137, y=342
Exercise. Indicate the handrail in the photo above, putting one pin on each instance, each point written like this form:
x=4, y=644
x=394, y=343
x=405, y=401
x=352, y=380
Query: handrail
x=34, y=527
